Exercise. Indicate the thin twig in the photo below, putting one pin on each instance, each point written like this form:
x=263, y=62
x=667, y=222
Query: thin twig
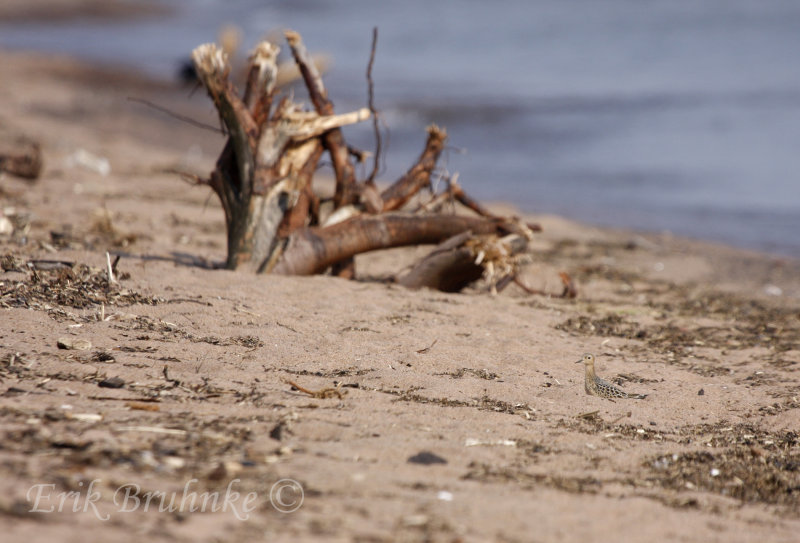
x=321, y=394
x=569, y=286
x=528, y=289
x=371, y=104
x=619, y=418
x=112, y=398
x=174, y=115
x=109, y=269
x=191, y=178
x=461, y=196
x=428, y=348
x=358, y=154
x=152, y=429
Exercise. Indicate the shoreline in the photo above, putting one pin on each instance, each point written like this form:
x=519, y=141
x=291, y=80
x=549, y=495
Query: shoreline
x=120, y=77
x=125, y=75
x=733, y=220
x=184, y=381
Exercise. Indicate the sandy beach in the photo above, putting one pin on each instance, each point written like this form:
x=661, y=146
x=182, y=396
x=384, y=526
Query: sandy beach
x=451, y=417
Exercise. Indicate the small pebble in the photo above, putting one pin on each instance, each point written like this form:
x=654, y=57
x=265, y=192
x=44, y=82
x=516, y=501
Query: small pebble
x=112, y=382
x=444, y=495
x=6, y=226
x=86, y=417
x=225, y=470
x=74, y=343
x=415, y=520
x=773, y=290
x=426, y=458
x=277, y=431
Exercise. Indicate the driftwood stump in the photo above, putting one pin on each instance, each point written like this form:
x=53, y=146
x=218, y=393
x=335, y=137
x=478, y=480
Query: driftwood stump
x=264, y=180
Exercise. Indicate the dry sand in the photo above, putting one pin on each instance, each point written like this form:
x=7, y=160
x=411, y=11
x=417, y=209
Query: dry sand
x=485, y=436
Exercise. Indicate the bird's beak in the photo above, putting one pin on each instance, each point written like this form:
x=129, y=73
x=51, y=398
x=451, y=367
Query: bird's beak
x=579, y=361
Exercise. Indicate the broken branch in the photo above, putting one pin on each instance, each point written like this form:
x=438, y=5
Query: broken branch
x=419, y=176
x=371, y=103
x=312, y=250
x=333, y=140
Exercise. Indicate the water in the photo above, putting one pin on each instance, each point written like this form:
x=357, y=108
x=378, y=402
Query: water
x=660, y=115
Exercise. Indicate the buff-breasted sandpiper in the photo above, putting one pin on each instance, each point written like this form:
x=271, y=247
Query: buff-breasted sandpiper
x=596, y=386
